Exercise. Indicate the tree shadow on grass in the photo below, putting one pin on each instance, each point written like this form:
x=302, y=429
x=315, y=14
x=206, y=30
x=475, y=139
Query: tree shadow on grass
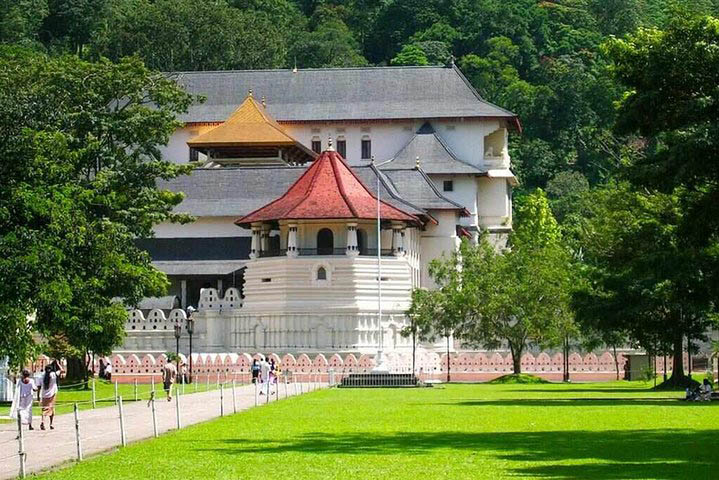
x=662, y=454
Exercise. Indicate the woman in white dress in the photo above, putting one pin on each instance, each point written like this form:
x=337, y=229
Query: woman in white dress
x=23, y=399
x=49, y=392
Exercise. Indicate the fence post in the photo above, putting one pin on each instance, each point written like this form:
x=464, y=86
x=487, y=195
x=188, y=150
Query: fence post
x=135, y=388
x=116, y=392
x=267, y=395
x=222, y=400
x=177, y=406
x=285, y=377
x=77, y=433
x=154, y=415
x=153, y=384
x=256, y=380
x=123, y=440
x=182, y=376
x=207, y=382
x=277, y=388
x=21, y=445
x=94, y=395
x=234, y=399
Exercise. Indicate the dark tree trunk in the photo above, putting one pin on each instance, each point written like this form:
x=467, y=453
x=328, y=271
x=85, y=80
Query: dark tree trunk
x=516, y=358
x=678, y=378
x=616, y=360
x=76, y=370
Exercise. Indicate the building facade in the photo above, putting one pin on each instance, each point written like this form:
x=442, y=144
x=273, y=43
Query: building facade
x=307, y=277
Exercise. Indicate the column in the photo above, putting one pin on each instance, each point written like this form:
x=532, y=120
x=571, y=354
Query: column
x=352, y=249
x=292, y=241
x=183, y=294
x=397, y=240
x=255, y=247
x=265, y=239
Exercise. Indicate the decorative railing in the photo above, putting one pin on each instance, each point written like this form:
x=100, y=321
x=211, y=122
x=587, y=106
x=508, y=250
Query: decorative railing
x=311, y=252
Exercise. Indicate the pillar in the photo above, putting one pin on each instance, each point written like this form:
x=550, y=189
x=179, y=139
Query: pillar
x=292, y=241
x=183, y=293
x=265, y=239
x=397, y=240
x=255, y=247
x=352, y=248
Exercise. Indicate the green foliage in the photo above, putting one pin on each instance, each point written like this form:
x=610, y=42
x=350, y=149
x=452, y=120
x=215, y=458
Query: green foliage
x=517, y=379
x=173, y=35
x=410, y=55
x=84, y=141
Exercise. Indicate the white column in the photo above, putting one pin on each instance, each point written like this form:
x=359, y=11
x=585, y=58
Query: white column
x=265, y=238
x=183, y=294
x=352, y=249
x=292, y=241
x=397, y=240
x=255, y=248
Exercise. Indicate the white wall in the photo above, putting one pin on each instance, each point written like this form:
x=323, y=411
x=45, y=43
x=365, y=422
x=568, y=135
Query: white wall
x=464, y=193
x=203, y=227
x=437, y=240
x=494, y=205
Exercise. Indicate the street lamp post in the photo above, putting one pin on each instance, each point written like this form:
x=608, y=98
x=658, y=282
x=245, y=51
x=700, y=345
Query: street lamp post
x=190, y=331
x=379, y=363
x=178, y=333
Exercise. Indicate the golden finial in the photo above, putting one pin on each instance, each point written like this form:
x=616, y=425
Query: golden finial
x=264, y=103
x=416, y=162
x=330, y=148
x=249, y=92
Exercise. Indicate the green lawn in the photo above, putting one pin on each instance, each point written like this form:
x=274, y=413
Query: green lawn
x=104, y=396
x=608, y=431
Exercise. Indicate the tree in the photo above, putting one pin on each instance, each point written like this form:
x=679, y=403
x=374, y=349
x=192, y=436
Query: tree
x=80, y=190
x=177, y=35
x=329, y=44
x=20, y=21
x=411, y=54
x=639, y=277
x=70, y=24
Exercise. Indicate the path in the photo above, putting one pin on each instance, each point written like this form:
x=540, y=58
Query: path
x=100, y=428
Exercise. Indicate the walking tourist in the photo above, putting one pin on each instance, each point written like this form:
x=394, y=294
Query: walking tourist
x=255, y=370
x=273, y=371
x=108, y=371
x=264, y=376
x=169, y=374
x=22, y=402
x=49, y=393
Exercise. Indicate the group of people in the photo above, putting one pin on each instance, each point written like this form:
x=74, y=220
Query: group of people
x=105, y=369
x=265, y=374
x=25, y=395
x=701, y=393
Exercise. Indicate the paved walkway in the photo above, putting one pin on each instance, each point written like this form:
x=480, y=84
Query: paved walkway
x=100, y=428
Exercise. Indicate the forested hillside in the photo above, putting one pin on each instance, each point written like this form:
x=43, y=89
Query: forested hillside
x=541, y=59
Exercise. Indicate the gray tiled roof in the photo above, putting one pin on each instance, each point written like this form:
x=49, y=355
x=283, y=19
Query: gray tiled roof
x=434, y=155
x=235, y=192
x=340, y=94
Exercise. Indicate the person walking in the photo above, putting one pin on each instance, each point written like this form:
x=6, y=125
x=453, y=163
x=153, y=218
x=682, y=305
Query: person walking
x=49, y=393
x=22, y=402
x=108, y=371
x=264, y=376
x=169, y=374
x=255, y=370
x=273, y=371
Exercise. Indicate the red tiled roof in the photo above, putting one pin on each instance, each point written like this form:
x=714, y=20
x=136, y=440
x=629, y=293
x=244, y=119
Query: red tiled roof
x=328, y=189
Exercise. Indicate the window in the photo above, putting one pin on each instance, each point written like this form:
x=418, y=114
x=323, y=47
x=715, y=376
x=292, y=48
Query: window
x=317, y=146
x=321, y=273
x=325, y=242
x=366, y=149
x=448, y=186
x=194, y=155
x=342, y=148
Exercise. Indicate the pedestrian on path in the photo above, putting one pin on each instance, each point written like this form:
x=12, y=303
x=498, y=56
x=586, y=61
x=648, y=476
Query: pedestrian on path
x=264, y=376
x=49, y=393
x=255, y=370
x=169, y=374
x=23, y=399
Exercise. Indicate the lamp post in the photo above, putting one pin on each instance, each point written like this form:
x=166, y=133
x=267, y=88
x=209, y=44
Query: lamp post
x=178, y=332
x=379, y=364
x=190, y=331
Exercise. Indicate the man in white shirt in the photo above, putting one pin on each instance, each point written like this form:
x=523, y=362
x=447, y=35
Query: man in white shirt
x=264, y=376
x=169, y=374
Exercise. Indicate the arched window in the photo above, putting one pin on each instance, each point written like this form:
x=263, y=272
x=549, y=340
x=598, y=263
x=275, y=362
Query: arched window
x=321, y=273
x=362, y=241
x=325, y=242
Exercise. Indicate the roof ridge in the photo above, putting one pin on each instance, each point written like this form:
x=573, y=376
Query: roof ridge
x=299, y=70
x=382, y=178
x=340, y=183
x=438, y=193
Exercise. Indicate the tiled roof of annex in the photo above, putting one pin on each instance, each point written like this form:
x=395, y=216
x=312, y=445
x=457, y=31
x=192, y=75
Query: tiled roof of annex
x=328, y=189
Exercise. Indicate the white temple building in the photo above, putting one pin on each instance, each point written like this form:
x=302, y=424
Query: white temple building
x=283, y=255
